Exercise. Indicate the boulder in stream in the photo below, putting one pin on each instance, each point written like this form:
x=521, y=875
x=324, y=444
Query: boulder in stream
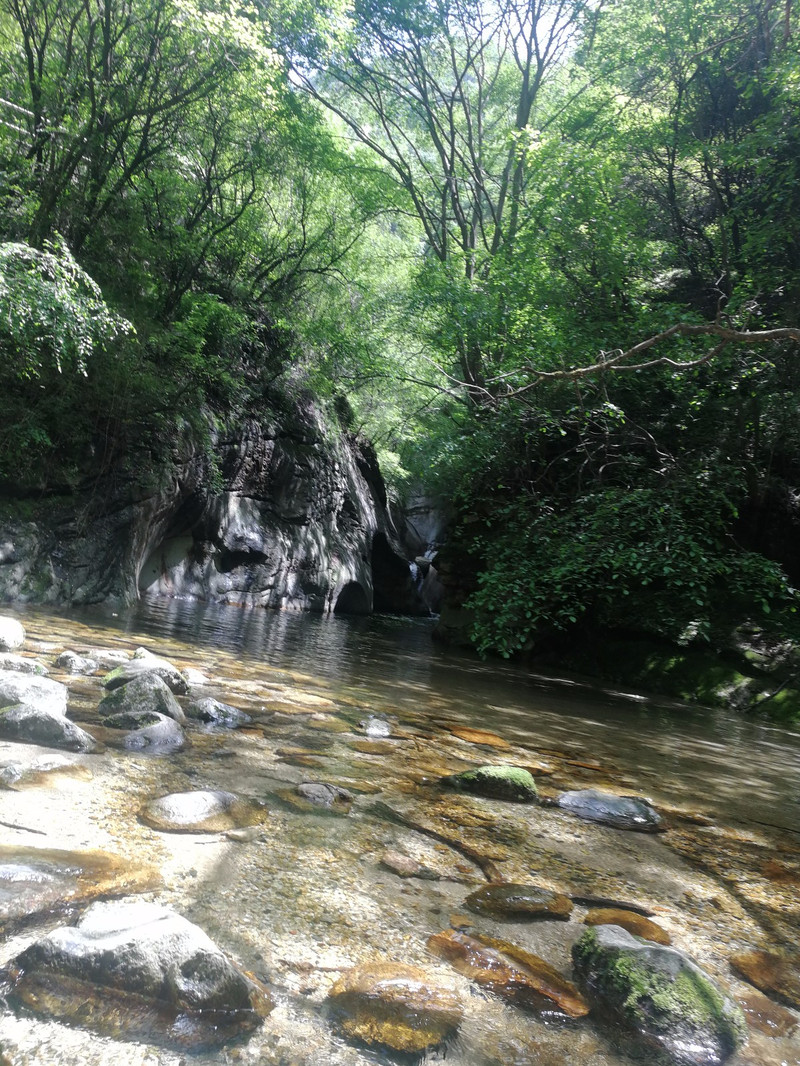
x=496, y=782
x=620, y=812
x=163, y=737
x=213, y=712
x=40, y=692
x=21, y=665
x=144, y=662
x=330, y=797
x=147, y=692
x=388, y=1004
x=376, y=727
x=510, y=972
x=36, y=725
x=77, y=664
x=519, y=903
x=661, y=994
x=203, y=811
x=12, y=634
x=132, y=964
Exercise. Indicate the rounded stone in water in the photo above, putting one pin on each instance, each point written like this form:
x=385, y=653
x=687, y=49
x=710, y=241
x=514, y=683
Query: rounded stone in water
x=620, y=812
x=512, y=902
x=202, y=811
x=511, y=783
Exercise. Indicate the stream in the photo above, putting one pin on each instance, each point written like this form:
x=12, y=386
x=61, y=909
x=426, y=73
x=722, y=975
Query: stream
x=309, y=893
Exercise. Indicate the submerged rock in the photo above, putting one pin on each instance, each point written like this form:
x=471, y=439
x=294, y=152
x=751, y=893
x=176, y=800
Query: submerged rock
x=145, y=693
x=510, y=972
x=661, y=994
x=406, y=866
x=41, y=772
x=12, y=634
x=321, y=794
x=213, y=712
x=775, y=974
x=376, y=727
x=497, y=782
x=392, y=1005
x=515, y=902
x=621, y=812
x=625, y=919
x=35, y=725
x=40, y=692
x=478, y=736
x=147, y=663
x=163, y=737
x=21, y=665
x=203, y=811
x=77, y=664
x=123, y=956
x=35, y=881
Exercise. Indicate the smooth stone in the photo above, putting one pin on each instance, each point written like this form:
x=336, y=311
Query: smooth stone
x=41, y=772
x=147, y=664
x=321, y=794
x=405, y=866
x=495, y=782
x=40, y=692
x=162, y=738
x=514, y=902
x=145, y=954
x=12, y=634
x=661, y=994
x=634, y=923
x=775, y=974
x=404, y=1008
x=147, y=692
x=34, y=725
x=376, y=727
x=478, y=736
x=620, y=812
x=203, y=811
x=509, y=972
x=213, y=712
x=34, y=881
x=21, y=665
x=77, y=664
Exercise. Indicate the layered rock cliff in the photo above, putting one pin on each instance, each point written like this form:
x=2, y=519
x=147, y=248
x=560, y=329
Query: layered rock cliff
x=283, y=511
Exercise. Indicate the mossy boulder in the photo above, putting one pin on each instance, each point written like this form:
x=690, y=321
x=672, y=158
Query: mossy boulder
x=501, y=782
x=661, y=994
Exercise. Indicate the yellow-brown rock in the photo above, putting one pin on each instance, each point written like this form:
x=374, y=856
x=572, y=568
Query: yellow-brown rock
x=393, y=1005
x=634, y=923
x=774, y=974
x=478, y=736
x=767, y=1017
x=509, y=972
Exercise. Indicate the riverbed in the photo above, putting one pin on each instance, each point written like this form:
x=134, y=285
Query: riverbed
x=310, y=893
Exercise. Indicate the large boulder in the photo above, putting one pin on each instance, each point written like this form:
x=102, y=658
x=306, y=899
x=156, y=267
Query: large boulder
x=661, y=994
x=12, y=634
x=162, y=737
x=39, y=692
x=77, y=664
x=143, y=951
x=620, y=812
x=146, y=692
x=36, y=725
x=213, y=712
x=144, y=664
x=21, y=665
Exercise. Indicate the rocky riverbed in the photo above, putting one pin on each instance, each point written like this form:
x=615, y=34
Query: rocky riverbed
x=356, y=896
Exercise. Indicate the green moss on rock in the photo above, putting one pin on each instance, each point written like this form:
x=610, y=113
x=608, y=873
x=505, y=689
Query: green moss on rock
x=497, y=782
x=660, y=993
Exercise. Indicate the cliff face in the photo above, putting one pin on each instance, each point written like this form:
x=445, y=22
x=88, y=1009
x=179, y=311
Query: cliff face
x=283, y=512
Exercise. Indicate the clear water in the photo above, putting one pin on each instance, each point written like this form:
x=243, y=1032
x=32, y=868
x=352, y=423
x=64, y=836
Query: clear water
x=309, y=896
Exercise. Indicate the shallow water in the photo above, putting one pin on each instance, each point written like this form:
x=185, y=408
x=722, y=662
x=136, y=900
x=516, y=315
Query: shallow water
x=309, y=895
